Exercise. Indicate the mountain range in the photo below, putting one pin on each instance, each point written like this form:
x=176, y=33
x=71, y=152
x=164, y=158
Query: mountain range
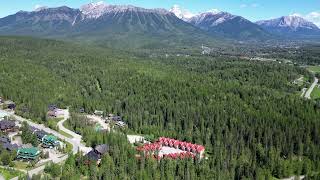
x=290, y=26
x=136, y=27
x=228, y=25
x=107, y=25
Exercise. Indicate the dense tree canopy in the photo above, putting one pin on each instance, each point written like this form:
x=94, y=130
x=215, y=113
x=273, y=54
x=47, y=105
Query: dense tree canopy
x=246, y=113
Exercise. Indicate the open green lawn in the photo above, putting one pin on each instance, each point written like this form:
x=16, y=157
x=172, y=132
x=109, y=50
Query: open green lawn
x=9, y=173
x=21, y=165
x=314, y=69
x=65, y=134
x=315, y=93
x=52, y=123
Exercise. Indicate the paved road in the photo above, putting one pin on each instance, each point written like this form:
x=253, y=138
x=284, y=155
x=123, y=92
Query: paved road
x=303, y=92
x=76, y=141
x=293, y=178
x=309, y=91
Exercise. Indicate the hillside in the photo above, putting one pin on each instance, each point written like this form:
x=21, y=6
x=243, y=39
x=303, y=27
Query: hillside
x=211, y=101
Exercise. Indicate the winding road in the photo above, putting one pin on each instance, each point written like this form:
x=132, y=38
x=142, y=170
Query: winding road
x=75, y=141
x=309, y=91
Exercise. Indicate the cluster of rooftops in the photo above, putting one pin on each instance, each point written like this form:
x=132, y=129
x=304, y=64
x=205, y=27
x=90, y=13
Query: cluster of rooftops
x=24, y=151
x=112, y=117
x=47, y=141
x=54, y=111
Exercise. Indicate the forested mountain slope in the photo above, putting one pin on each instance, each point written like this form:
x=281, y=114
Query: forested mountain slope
x=117, y=27
x=244, y=112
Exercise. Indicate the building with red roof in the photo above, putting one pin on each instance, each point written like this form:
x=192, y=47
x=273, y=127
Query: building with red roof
x=163, y=148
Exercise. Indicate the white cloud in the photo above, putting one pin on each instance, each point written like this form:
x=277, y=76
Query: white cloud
x=312, y=17
x=254, y=5
x=181, y=12
x=39, y=7
x=215, y=11
x=296, y=14
x=243, y=5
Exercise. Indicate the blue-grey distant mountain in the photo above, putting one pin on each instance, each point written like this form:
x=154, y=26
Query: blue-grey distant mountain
x=291, y=27
x=45, y=22
x=228, y=25
x=112, y=25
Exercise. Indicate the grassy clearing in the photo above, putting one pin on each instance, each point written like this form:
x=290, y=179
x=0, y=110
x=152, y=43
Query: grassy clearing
x=9, y=173
x=21, y=165
x=315, y=93
x=315, y=69
x=68, y=147
x=65, y=134
x=52, y=123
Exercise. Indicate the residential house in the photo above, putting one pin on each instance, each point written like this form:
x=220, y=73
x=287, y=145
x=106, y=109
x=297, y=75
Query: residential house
x=10, y=147
x=28, y=153
x=6, y=144
x=98, y=113
x=121, y=124
x=8, y=126
x=55, y=113
x=50, y=141
x=96, y=154
x=10, y=105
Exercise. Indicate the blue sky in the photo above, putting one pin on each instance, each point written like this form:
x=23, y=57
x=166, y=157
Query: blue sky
x=250, y=9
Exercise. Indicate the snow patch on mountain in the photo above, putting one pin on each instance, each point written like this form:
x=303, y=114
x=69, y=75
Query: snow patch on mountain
x=94, y=10
x=214, y=17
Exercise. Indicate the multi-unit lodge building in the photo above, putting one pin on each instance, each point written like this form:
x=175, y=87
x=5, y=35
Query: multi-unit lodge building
x=164, y=145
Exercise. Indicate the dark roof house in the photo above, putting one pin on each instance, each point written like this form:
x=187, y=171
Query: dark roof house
x=97, y=153
x=4, y=139
x=10, y=104
x=40, y=134
x=7, y=125
x=10, y=147
x=93, y=156
x=102, y=149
